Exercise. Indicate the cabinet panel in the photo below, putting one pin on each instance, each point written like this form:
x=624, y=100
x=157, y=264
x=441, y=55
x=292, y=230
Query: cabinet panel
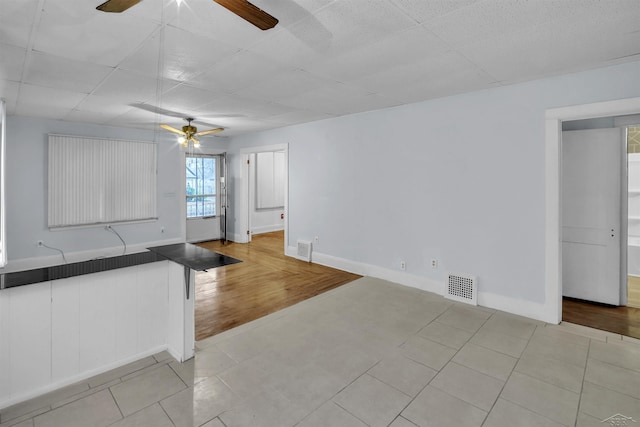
x=65, y=328
x=29, y=337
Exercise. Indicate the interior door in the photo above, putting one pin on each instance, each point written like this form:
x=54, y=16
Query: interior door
x=591, y=214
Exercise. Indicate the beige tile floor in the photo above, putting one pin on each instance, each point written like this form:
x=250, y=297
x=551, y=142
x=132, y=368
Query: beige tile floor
x=370, y=353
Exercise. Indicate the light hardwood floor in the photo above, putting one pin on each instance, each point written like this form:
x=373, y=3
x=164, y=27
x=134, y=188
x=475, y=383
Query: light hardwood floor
x=265, y=282
x=633, y=283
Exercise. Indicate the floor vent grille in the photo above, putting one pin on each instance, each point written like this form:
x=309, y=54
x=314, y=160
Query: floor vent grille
x=304, y=250
x=462, y=288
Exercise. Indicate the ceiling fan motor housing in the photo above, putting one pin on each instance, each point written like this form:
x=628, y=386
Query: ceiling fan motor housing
x=189, y=130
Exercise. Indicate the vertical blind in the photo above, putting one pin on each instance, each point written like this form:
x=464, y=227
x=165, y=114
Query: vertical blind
x=270, y=183
x=100, y=181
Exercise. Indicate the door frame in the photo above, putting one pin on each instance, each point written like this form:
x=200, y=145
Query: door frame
x=245, y=211
x=183, y=183
x=553, y=163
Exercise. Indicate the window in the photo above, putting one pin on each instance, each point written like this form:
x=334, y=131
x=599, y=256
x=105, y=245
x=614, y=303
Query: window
x=100, y=181
x=201, y=186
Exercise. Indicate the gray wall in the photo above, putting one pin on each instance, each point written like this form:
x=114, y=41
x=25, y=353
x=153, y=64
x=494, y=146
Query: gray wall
x=460, y=179
x=26, y=198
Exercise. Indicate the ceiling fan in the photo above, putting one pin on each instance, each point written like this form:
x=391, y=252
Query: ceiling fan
x=242, y=8
x=188, y=133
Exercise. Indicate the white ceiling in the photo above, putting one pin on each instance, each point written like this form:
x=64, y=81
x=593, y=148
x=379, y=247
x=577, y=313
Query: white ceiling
x=63, y=59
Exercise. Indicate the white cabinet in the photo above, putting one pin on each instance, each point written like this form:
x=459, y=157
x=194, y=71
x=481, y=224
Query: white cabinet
x=55, y=333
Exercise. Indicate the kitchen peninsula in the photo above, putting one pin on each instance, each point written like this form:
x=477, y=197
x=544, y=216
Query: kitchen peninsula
x=65, y=323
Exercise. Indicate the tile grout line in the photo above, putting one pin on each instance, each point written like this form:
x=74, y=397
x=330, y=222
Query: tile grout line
x=509, y=376
x=439, y=370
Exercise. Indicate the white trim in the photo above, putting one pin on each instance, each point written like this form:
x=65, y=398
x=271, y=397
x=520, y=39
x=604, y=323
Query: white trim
x=267, y=229
x=552, y=307
x=498, y=302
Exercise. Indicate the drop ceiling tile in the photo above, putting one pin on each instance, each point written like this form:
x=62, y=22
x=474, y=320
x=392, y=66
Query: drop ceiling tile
x=526, y=55
x=338, y=28
x=287, y=48
x=235, y=105
x=13, y=58
x=16, y=19
x=433, y=77
x=283, y=85
x=333, y=98
x=103, y=105
x=129, y=88
x=290, y=11
x=84, y=116
x=402, y=48
x=345, y=25
x=74, y=29
x=9, y=91
x=423, y=11
x=38, y=101
x=62, y=73
x=210, y=20
x=184, y=54
x=298, y=116
x=187, y=98
x=496, y=18
x=135, y=118
x=241, y=70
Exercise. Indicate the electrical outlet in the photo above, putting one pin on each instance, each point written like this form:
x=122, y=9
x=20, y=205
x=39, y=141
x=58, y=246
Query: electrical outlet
x=403, y=265
x=434, y=263
x=316, y=240
x=40, y=243
x=162, y=229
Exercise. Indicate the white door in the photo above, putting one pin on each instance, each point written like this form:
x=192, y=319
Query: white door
x=203, y=202
x=591, y=218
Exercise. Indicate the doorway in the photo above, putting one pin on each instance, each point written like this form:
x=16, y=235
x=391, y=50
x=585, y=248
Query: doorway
x=205, y=197
x=600, y=224
x=275, y=215
x=551, y=310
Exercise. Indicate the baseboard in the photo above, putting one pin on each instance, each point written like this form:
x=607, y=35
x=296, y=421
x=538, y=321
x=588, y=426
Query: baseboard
x=532, y=310
x=267, y=229
x=237, y=238
x=48, y=261
x=78, y=378
x=363, y=269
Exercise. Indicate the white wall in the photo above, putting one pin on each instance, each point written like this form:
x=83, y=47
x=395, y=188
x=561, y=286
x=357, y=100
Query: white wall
x=27, y=192
x=460, y=179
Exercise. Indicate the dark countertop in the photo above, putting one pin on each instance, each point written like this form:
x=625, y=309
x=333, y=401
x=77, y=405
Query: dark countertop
x=186, y=254
x=193, y=256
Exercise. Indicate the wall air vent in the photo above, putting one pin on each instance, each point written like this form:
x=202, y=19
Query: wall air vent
x=462, y=288
x=304, y=250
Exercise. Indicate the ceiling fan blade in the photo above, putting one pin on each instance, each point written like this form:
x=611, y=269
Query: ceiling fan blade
x=249, y=12
x=172, y=129
x=117, y=6
x=209, y=132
